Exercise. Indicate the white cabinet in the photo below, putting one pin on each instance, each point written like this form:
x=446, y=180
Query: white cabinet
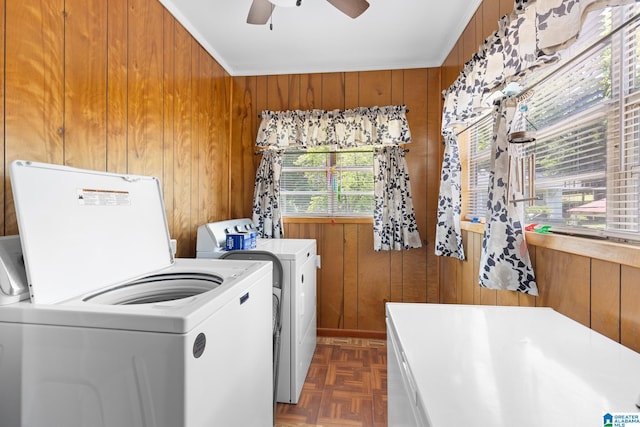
x=403, y=410
x=464, y=365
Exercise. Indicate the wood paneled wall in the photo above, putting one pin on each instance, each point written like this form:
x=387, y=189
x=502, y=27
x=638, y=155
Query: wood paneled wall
x=354, y=281
x=119, y=86
x=602, y=295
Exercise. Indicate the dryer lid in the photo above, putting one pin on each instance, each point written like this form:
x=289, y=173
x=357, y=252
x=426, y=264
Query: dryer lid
x=82, y=230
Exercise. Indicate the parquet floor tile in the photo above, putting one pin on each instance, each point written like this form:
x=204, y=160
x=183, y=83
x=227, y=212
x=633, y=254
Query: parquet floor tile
x=346, y=386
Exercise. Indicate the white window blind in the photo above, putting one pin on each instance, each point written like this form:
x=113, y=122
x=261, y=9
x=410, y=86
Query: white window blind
x=586, y=115
x=475, y=199
x=321, y=182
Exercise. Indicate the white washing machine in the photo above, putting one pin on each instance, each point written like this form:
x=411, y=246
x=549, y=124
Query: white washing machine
x=111, y=330
x=300, y=261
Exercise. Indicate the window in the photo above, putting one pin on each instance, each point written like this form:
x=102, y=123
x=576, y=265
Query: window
x=586, y=116
x=479, y=155
x=324, y=182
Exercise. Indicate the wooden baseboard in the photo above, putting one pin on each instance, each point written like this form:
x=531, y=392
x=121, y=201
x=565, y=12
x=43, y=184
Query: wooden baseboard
x=351, y=333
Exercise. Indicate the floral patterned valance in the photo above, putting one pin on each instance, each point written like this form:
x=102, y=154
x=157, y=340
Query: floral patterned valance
x=343, y=128
x=528, y=38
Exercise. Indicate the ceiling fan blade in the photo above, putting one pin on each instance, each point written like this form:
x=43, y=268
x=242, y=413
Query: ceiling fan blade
x=260, y=12
x=351, y=8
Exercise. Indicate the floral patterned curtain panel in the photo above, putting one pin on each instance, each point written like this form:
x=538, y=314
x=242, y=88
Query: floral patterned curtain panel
x=448, y=234
x=529, y=38
x=381, y=127
x=394, y=221
x=266, y=197
x=504, y=259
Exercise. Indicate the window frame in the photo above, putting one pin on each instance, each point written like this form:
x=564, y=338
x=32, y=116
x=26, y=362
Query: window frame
x=332, y=193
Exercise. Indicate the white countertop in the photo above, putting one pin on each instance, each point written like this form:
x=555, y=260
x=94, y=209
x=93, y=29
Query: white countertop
x=513, y=366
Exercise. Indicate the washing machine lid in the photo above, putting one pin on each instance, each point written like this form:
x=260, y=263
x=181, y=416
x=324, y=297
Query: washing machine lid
x=82, y=230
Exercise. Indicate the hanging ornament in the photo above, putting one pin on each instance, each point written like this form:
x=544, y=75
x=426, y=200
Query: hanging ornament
x=518, y=133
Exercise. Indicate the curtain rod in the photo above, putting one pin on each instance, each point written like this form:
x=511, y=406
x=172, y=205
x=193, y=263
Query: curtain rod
x=259, y=152
x=260, y=115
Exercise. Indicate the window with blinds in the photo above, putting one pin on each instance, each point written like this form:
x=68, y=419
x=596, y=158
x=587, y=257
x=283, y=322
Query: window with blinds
x=478, y=138
x=324, y=182
x=586, y=116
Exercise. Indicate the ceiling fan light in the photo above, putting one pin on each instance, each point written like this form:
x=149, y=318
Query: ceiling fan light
x=284, y=3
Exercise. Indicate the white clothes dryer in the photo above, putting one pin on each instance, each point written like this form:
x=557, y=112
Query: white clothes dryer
x=300, y=261
x=111, y=330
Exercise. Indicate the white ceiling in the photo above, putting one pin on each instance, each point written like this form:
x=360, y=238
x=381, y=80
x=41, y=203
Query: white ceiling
x=316, y=37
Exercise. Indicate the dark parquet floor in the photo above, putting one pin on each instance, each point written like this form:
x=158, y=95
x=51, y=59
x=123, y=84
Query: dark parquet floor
x=346, y=386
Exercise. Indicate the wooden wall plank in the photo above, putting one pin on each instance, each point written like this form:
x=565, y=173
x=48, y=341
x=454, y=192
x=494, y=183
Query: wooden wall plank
x=415, y=95
x=506, y=7
x=85, y=93
x=433, y=164
x=488, y=296
x=564, y=284
x=311, y=92
x=206, y=162
x=332, y=273
x=294, y=91
x=469, y=43
x=244, y=116
x=398, y=78
x=479, y=28
x=449, y=292
x=183, y=129
x=629, y=303
x=262, y=90
x=293, y=231
x=192, y=157
x=34, y=87
x=605, y=298
x=397, y=277
x=169, y=100
x=117, y=95
x=468, y=273
x=351, y=90
x=374, y=88
x=333, y=91
x=490, y=17
x=510, y=298
x=373, y=281
x=218, y=172
x=145, y=98
x=477, y=253
x=351, y=272
x=278, y=92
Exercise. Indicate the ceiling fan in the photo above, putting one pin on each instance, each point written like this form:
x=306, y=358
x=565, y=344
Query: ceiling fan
x=261, y=10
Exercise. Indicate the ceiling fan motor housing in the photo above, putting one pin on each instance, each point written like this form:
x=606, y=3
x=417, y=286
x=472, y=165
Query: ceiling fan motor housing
x=261, y=10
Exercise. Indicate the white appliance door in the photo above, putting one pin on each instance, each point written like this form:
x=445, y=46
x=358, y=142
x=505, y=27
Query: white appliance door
x=77, y=225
